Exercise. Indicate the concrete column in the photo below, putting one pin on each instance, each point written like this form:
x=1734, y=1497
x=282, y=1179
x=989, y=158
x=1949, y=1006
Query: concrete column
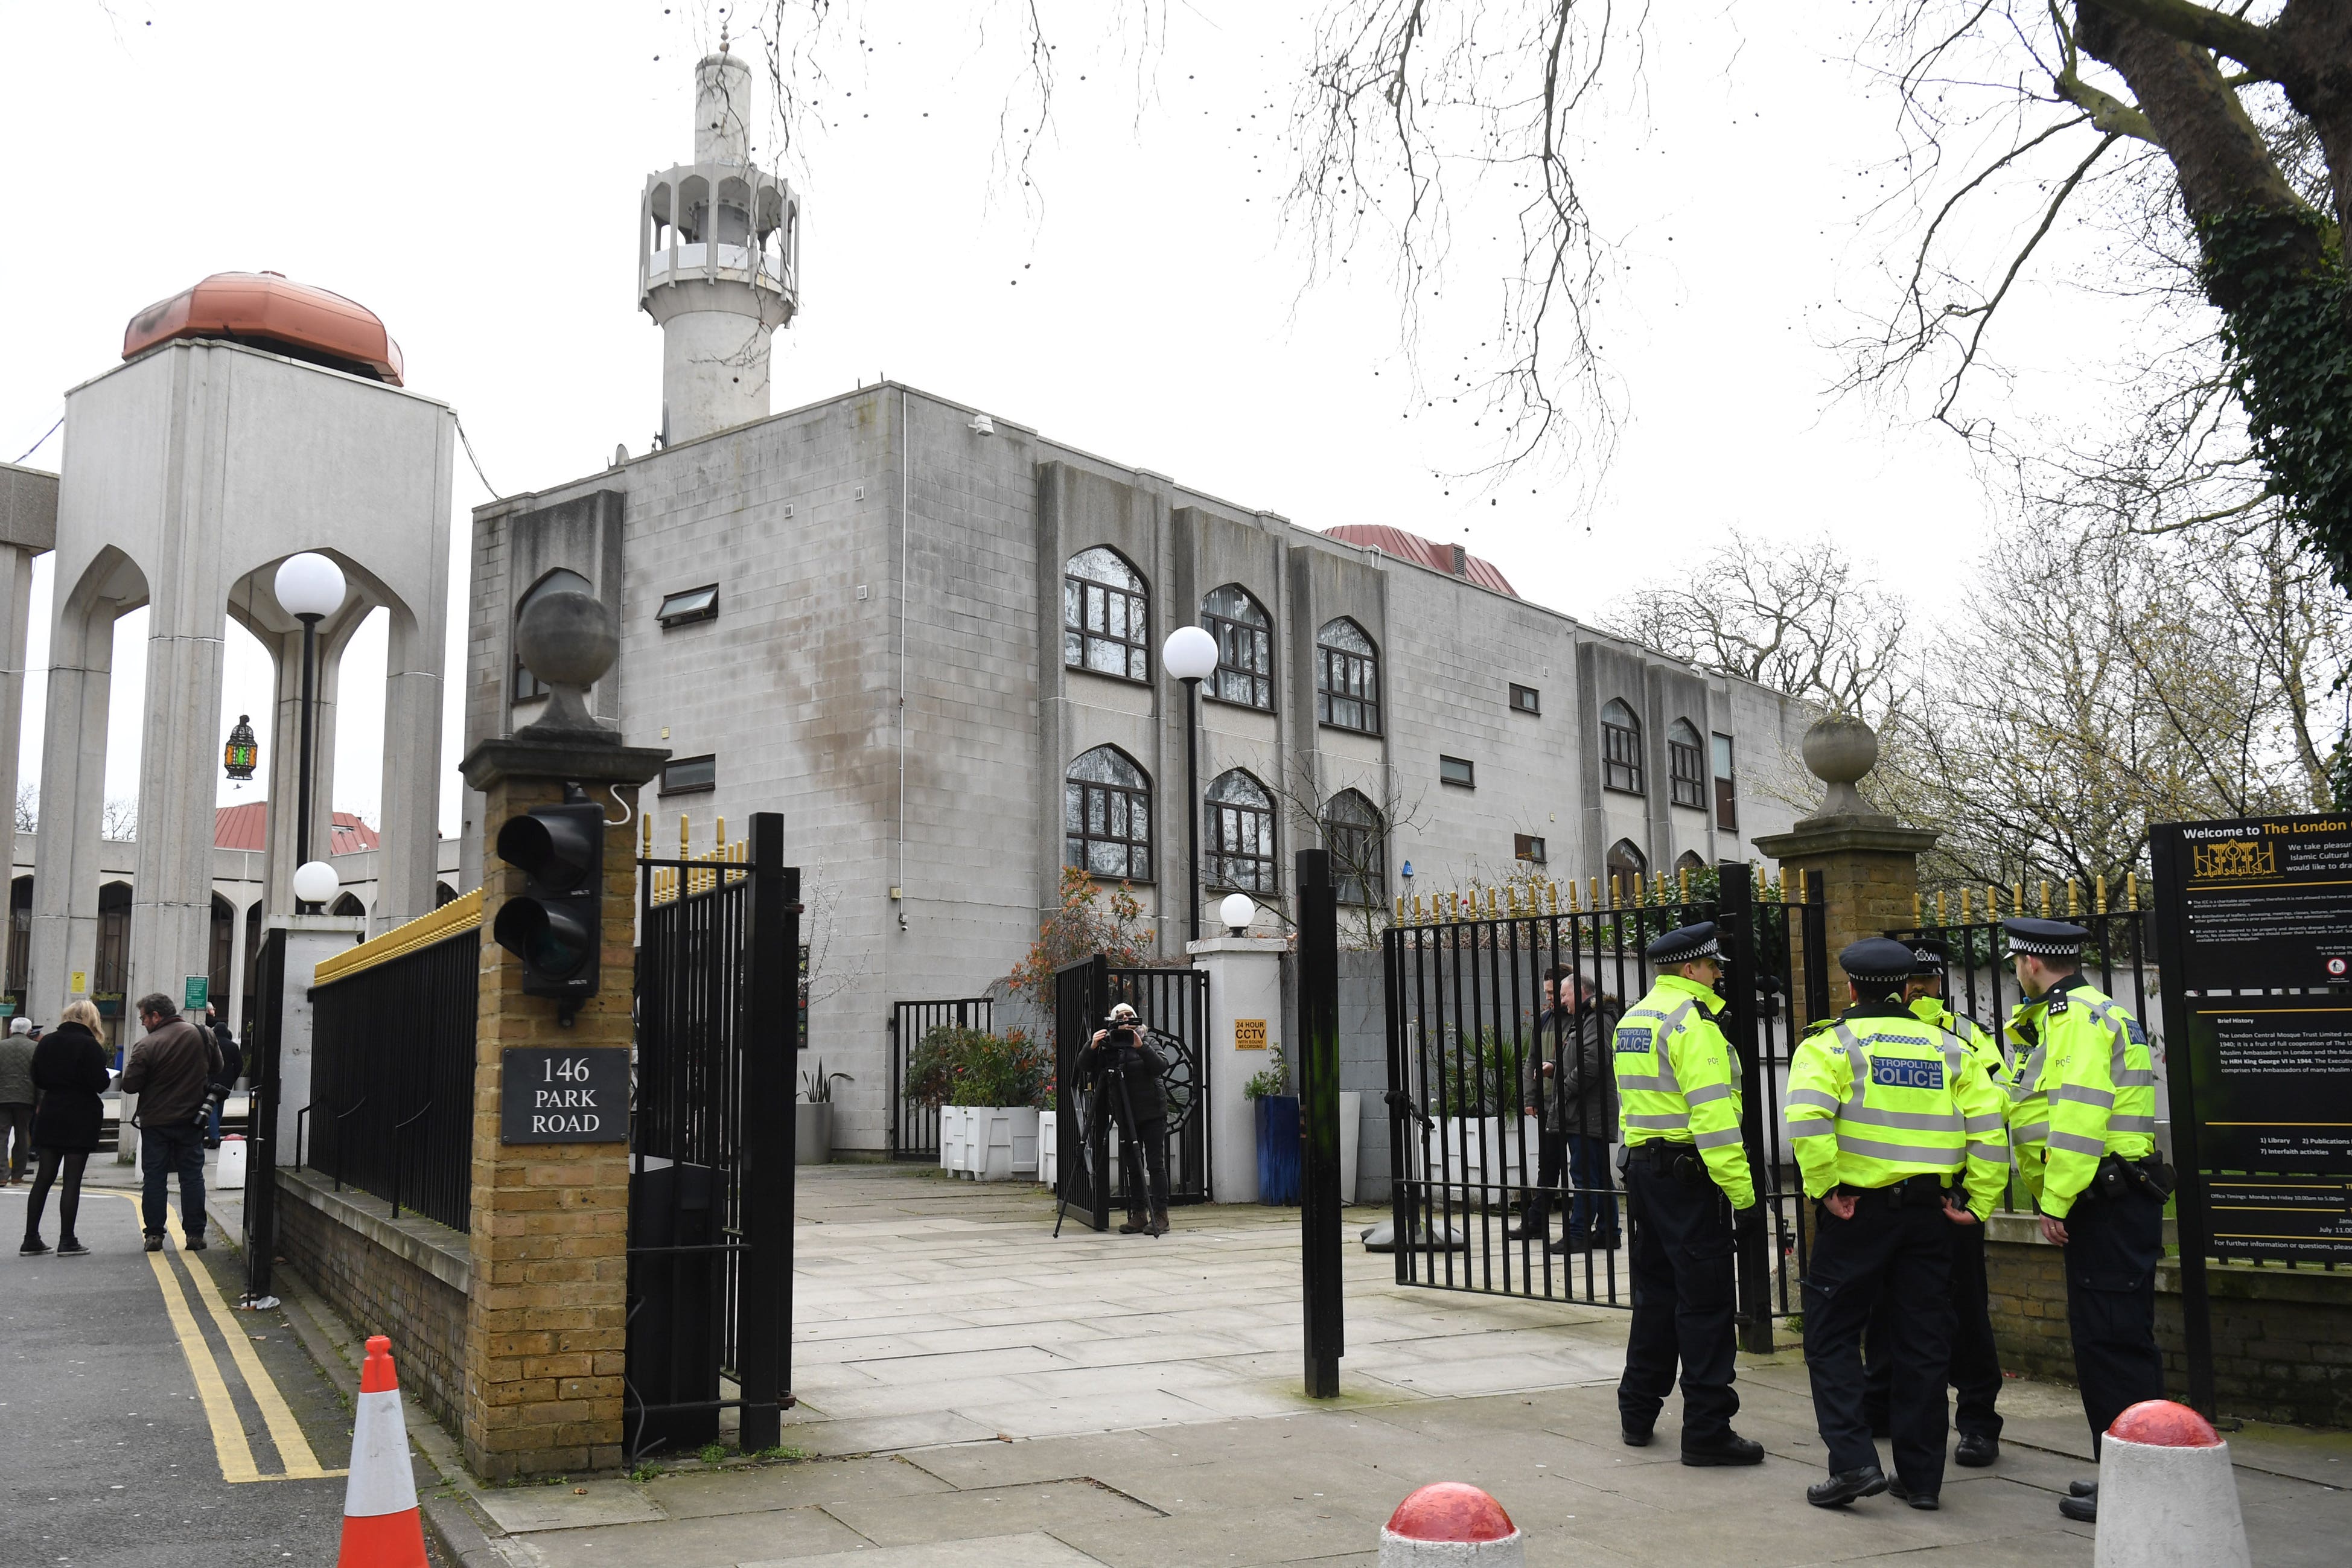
x=411, y=797
x=15, y=625
x=546, y=1315
x=310, y=940
x=232, y=1007
x=1244, y=985
x=66, y=872
x=285, y=745
x=171, y=897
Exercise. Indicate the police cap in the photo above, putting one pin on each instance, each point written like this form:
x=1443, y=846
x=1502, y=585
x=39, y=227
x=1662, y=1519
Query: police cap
x=1685, y=944
x=2044, y=938
x=1927, y=956
x=1878, y=963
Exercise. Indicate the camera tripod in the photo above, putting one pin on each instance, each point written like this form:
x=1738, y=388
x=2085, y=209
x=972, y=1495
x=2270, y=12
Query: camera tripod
x=1092, y=1105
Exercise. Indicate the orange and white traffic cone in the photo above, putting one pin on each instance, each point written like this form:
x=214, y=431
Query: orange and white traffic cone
x=381, y=1526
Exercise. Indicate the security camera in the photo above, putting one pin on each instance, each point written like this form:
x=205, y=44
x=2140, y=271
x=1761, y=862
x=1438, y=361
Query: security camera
x=981, y=424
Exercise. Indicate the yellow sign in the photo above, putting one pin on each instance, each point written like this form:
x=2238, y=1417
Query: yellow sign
x=1249, y=1033
x=80, y=986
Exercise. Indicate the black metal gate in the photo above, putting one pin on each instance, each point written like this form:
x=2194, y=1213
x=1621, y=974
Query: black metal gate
x=1172, y=1006
x=915, y=1127
x=1465, y=1000
x=710, y=1168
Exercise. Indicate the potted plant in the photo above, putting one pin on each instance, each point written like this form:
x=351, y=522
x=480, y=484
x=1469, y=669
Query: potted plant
x=1484, y=1155
x=1277, y=1131
x=989, y=1090
x=812, y=1117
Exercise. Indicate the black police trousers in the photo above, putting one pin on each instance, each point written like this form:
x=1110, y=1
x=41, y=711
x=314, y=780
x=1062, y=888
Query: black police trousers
x=1681, y=1265
x=2112, y=1246
x=1976, y=1359
x=1905, y=1255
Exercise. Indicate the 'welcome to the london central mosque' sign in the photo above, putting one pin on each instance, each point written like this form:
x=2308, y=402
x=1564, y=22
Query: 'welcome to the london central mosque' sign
x=553, y=1094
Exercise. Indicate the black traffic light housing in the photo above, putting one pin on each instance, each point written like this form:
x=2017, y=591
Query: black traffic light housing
x=555, y=925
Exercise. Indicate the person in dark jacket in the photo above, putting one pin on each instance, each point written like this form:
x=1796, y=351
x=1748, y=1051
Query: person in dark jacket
x=70, y=1071
x=171, y=1071
x=16, y=1100
x=1539, y=1093
x=1588, y=1094
x=232, y=1065
x=1128, y=1071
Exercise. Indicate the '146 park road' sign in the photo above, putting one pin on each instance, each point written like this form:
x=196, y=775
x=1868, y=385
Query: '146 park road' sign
x=553, y=1094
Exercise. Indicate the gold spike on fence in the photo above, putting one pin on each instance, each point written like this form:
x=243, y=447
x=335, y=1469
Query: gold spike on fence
x=1682, y=876
x=2101, y=893
x=2017, y=898
x=2045, y=897
x=1941, y=918
x=1572, y=905
x=2131, y=889
x=2074, y=898
x=1494, y=903
x=1918, y=911
x=1964, y=907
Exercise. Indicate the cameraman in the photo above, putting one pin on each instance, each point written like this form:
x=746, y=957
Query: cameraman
x=1128, y=1071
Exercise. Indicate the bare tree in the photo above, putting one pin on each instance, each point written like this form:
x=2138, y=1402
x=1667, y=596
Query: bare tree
x=29, y=807
x=1806, y=622
x=1362, y=854
x=119, y=820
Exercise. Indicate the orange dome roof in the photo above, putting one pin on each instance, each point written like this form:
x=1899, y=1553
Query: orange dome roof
x=269, y=309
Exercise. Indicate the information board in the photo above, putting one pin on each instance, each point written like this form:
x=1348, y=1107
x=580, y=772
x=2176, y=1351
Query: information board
x=2264, y=904
x=551, y=1094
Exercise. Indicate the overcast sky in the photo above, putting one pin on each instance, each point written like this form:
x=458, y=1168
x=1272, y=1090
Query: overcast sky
x=471, y=173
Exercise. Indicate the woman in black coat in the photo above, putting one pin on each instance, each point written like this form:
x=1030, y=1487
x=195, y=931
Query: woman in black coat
x=70, y=1069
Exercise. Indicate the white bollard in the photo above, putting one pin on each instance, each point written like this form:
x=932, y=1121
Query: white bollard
x=1452, y=1523
x=228, y=1173
x=2168, y=1498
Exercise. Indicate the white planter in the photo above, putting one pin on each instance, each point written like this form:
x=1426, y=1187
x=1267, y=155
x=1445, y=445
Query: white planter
x=1351, y=1137
x=955, y=1139
x=1000, y=1142
x=1485, y=1159
x=1046, y=1172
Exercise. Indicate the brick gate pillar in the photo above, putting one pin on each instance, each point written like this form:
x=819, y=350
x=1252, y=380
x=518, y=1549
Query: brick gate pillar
x=546, y=1334
x=1865, y=862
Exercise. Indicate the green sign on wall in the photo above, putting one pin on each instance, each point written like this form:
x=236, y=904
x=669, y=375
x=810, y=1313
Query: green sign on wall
x=198, y=994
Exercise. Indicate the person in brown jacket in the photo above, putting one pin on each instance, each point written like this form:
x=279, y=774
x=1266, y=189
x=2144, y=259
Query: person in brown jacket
x=171, y=1071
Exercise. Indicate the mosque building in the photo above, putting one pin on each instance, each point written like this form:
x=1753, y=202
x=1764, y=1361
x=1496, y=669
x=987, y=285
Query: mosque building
x=931, y=637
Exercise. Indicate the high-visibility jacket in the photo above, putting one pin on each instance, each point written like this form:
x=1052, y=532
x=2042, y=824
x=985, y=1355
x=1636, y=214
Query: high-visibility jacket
x=1876, y=1096
x=2084, y=1087
x=1678, y=1081
x=1975, y=1035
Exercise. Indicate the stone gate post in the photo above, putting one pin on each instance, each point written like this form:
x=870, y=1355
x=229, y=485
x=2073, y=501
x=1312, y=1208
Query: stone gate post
x=1865, y=862
x=546, y=1335
x=1245, y=1031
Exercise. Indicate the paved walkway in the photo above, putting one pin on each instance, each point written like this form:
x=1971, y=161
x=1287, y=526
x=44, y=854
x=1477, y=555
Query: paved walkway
x=974, y=1392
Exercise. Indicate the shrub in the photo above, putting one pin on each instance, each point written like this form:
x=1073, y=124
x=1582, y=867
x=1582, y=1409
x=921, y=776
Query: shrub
x=966, y=1066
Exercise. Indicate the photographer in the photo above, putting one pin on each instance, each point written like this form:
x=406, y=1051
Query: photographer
x=1126, y=1071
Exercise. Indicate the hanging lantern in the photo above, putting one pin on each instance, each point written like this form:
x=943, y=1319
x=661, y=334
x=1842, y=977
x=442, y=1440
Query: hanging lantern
x=240, y=754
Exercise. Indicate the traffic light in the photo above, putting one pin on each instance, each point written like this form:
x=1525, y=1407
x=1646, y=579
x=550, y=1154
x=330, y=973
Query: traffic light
x=554, y=925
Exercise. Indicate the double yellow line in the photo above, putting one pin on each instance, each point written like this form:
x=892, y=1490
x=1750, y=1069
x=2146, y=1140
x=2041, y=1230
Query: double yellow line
x=236, y=1454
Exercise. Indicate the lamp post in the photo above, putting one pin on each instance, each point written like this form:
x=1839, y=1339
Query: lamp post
x=309, y=588
x=1189, y=654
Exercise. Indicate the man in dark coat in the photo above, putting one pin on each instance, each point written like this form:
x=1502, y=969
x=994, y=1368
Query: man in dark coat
x=16, y=1100
x=70, y=1071
x=232, y=1065
x=1588, y=1093
x=1128, y=1071
x=171, y=1071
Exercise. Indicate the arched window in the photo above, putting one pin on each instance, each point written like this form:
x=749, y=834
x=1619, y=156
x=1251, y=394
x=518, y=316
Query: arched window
x=528, y=686
x=20, y=940
x=223, y=934
x=1245, y=635
x=1685, y=765
x=1690, y=860
x=1106, y=623
x=1620, y=748
x=347, y=906
x=111, y=972
x=1240, y=834
x=1107, y=816
x=1347, y=677
x=1358, y=841
x=1625, y=863
x=443, y=893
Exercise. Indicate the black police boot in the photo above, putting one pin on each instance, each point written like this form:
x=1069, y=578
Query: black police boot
x=1846, y=1486
x=1135, y=1223
x=2081, y=1510
x=1573, y=1241
x=1976, y=1450
x=2082, y=1489
x=1531, y=1224
x=1925, y=1501
x=1731, y=1448
x=1635, y=1436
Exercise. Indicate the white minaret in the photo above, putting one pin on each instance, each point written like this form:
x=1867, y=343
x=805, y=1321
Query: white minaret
x=717, y=262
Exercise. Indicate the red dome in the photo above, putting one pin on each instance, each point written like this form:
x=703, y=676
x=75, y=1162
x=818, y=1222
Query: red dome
x=2163, y=1424
x=1451, y=1510
x=1448, y=558
x=269, y=311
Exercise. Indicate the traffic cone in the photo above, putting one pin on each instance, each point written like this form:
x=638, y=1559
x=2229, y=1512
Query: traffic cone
x=381, y=1526
x=2168, y=1498
x=1452, y=1523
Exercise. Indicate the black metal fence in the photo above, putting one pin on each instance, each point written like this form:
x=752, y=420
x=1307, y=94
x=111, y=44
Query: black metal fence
x=710, y=1188
x=1468, y=1057
x=2119, y=958
x=392, y=1079
x=915, y=1127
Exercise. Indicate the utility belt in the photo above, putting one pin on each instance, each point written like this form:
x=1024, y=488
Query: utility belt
x=1924, y=1191
x=1682, y=1162
x=2118, y=1178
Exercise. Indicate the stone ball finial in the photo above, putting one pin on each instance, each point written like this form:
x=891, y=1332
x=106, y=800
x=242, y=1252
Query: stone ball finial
x=567, y=639
x=1839, y=750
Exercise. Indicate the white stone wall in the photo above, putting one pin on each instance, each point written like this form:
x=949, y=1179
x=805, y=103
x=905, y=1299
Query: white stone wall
x=854, y=614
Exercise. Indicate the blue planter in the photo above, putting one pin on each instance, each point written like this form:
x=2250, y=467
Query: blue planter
x=1277, y=1150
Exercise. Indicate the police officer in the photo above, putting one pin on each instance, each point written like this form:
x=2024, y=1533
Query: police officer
x=1685, y=1174
x=1886, y=1114
x=2083, y=1122
x=1976, y=1359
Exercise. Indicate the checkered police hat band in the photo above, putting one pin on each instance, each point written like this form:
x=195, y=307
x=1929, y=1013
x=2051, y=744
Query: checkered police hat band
x=2042, y=947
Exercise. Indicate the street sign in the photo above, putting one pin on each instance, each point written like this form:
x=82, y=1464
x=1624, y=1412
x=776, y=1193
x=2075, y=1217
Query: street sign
x=555, y=1094
x=1249, y=1033
x=195, y=994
